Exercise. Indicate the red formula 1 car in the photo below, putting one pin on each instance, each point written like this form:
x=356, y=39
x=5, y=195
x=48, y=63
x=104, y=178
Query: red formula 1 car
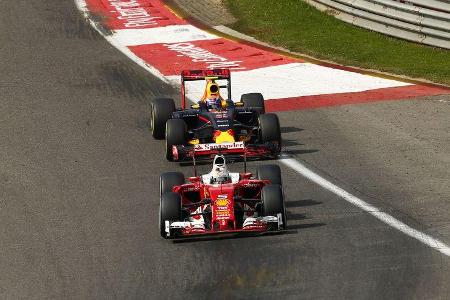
x=214, y=124
x=221, y=202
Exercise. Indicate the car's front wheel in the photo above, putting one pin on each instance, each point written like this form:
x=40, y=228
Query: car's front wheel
x=176, y=134
x=168, y=180
x=169, y=210
x=273, y=202
x=162, y=109
x=269, y=172
x=269, y=129
x=254, y=101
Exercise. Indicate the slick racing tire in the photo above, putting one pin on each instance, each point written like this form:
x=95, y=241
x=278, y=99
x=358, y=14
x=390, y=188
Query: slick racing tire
x=269, y=172
x=255, y=101
x=176, y=132
x=168, y=180
x=169, y=210
x=273, y=202
x=162, y=109
x=269, y=129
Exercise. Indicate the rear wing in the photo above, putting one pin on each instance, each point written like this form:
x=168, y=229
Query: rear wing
x=190, y=75
x=194, y=75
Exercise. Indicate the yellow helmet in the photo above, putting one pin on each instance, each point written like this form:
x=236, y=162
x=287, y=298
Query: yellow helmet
x=212, y=90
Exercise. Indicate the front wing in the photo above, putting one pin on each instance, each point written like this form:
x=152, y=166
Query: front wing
x=178, y=230
x=238, y=150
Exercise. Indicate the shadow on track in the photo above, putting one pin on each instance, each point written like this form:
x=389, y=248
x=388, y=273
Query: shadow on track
x=302, y=203
x=234, y=236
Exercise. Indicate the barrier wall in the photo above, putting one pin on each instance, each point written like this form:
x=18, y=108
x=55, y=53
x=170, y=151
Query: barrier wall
x=421, y=21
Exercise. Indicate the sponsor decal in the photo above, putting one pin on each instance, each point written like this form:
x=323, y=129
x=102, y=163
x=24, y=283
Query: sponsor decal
x=190, y=189
x=212, y=146
x=133, y=14
x=198, y=54
x=251, y=185
x=220, y=115
x=222, y=214
x=222, y=200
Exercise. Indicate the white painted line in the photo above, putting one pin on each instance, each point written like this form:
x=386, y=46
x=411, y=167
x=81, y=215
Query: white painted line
x=161, y=35
x=297, y=80
x=374, y=211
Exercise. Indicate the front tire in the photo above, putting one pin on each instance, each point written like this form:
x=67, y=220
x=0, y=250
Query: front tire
x=269, y=172
x=176, y=132
x=168, y=180
x=269, y=129
x=162, y=109
x=169, y=210
x=273, y=202
x=254, y=101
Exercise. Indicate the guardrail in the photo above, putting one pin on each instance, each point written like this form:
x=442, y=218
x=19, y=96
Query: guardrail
x=421, y=21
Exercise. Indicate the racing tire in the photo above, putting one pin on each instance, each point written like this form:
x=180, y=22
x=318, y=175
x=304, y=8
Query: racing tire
x=255, y=101
x=269, y=172
x=269, y=129
x=169, y=209
x=273, y=202
x=176, y=132
x=168, y=180
x=162, y=109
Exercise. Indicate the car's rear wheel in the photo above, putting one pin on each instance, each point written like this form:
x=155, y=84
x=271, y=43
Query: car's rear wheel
x=169, y=210
x=269, y=172
x=168, y=180
x=254, y=101
x=269, y=129
x=162, y=109
x=273, y=202
x=176, y=133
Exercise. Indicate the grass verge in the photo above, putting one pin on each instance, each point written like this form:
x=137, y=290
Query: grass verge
x=299, y=27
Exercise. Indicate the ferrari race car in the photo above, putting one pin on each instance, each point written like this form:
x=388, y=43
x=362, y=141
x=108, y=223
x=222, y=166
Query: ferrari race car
x=215, y=125
x=221, y=202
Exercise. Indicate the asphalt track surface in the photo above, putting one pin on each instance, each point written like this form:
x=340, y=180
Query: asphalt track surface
x=79, y=185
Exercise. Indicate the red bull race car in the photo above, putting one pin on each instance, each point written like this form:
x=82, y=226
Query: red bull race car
x=214, y=124
x=221, y=202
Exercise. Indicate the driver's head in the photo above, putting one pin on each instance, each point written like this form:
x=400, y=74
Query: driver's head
x=219, y=171
x=212, y=96
x=212, y=90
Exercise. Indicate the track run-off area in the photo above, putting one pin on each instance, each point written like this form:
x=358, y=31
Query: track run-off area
x=80, y=170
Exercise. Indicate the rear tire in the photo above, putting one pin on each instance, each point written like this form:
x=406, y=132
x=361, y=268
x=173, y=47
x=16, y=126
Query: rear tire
x=269, y=172
x=255, y=101
x=162, y=109
x=269, y=129
x=176, y=132
x=273, y=202
x=168, y=180
x=169, y=210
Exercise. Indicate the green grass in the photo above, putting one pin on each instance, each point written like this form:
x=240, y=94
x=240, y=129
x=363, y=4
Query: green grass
x=299, y=27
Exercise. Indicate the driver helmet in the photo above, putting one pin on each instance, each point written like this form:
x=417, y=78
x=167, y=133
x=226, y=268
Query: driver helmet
x=219, y=172
x=212, y=96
